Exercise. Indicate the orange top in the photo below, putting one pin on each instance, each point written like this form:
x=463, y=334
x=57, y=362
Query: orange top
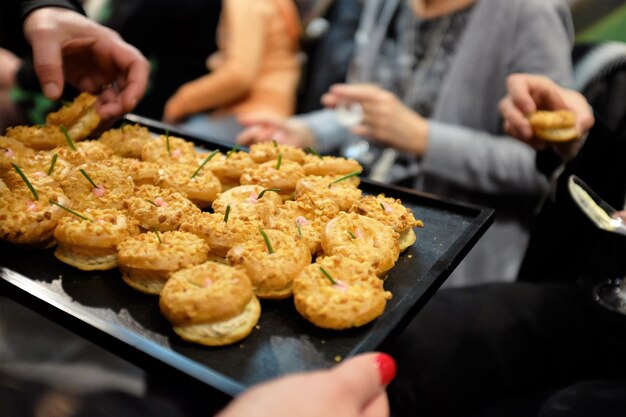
x=257, y=68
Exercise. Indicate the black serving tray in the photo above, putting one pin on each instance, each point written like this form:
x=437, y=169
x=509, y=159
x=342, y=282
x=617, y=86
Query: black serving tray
x=101, y=307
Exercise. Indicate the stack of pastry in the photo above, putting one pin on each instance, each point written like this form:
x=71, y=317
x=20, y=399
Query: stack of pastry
x=280, y=223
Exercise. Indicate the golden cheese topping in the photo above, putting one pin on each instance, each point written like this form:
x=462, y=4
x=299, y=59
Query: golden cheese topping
x=169, y=149
x=329, y=166
x=244, y=199
x=388, y=211
x=269, y=151
x=344, y=193
x=127, y=141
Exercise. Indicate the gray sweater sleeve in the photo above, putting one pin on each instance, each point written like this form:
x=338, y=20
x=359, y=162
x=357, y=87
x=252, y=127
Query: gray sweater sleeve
x=493, y=163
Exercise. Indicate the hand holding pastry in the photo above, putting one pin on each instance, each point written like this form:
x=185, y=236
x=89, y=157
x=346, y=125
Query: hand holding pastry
x=529, y=93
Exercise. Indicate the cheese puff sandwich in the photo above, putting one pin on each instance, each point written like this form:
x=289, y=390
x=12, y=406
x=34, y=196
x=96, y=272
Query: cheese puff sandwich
x=97, y=185
x=228, y=168
x=272, y=259
x=344, y=192
x=269, y=151
x=147, y=260
x=248, y=199
x=304, y=219
x=280, y=174
x=200, y=185
x=211, y=304
x=159, y=208
x=361, y=238
x=88, y=240
x=338, y=293
x=222, y=232
x=391, y=212
x=126, y=141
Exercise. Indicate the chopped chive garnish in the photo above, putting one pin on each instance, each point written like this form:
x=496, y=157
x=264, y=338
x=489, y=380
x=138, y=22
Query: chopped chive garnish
x=53, y=163
x=80, y=216
x=299, y=228
x=382, y=206
x=227, y=214
x=158, y=235
x=275, y=143
x=167, y=142
x=332, y=281
x=267, y=241
x=82, y=171
x=67, y=137
x=151, y=202
x=313, y=152
x=280, y=159
x=345, y=177
x=232, y=151
x=276, y=190
x=207, y=159
x=352, y=235
x=28, y=184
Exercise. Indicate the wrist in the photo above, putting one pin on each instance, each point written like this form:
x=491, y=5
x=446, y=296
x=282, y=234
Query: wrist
x=419, y=140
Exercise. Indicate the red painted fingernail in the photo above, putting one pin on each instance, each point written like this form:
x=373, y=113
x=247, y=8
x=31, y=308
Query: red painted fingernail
x=387, y=367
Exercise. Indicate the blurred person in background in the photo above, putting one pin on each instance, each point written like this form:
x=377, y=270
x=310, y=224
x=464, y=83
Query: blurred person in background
x=255, y=71
x=425, y=80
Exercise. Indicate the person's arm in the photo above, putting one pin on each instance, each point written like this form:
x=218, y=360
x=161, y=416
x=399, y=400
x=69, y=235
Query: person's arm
x=28, y=6
x=496, y=163
x=241, y=59
x=355, y=388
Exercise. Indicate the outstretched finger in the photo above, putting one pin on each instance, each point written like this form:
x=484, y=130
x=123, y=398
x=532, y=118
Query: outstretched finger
x=48, y=63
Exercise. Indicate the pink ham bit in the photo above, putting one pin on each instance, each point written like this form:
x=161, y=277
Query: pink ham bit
x=340, y=285
x=32, y=206
x=253, y=198
x=160, y=202
x=99, y=191
x=39, y=175
x=388, y=208
x=302, y=221
x=8, y=152
x=176, y=153
x=207, y=283
x=358, y=233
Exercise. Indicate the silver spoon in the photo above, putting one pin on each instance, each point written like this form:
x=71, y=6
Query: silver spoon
x=599, y=211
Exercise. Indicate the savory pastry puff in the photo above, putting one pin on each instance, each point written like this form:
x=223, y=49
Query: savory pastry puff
x=126, y=141
x=38, y=137
x=13, y=151
x=355, y=298
x=344, y=193
x=244, y=199
x=228, y=168
x=92, y=244
x=211, y=304
x=391, y=212
x=178, y=151
x=147, y=260
x=158, y=208
x=79, y=117
x=220, y=233
x=269, y=151
x=42, y=161
x=86, y=151
x=27, y=221
x=271, y=274
x=554, y=126
x=329, y=165
x=200, y=185
x=363, y=239
x=141, y=172
x=113, y=186
x=304, y=219
x=284, y=178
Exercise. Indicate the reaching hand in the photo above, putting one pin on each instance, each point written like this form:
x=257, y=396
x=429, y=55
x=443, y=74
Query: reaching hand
x=9, y=64
x=356, y=388
x=385, y=118
x=69, y=47
x=528, y=93
x=282, y=130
